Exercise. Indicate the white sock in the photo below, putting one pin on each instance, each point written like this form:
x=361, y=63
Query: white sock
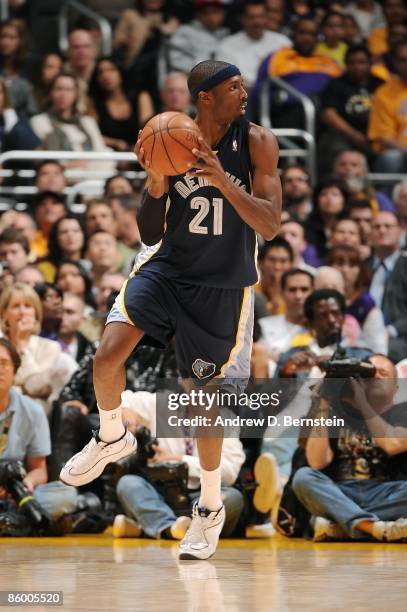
x=210, y=490
x=111, y=424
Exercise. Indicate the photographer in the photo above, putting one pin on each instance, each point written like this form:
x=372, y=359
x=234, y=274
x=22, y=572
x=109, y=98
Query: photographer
x=25, y=437
x=142, y=501
x=357, y=472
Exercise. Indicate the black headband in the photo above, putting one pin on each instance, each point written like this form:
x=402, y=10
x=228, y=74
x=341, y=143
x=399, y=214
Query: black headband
x=219, y=77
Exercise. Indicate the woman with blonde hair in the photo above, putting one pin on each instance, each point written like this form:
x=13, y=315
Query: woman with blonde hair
x=45, y=368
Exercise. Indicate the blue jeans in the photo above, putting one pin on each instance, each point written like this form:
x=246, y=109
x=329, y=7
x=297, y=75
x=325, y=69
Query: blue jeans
x=56, y=498
x=142, y=502
x=350, y=501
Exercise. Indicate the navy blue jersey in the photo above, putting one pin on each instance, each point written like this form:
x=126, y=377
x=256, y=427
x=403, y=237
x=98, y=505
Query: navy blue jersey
x=206, y=242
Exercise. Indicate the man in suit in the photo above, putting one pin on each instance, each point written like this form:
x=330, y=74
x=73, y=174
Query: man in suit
x=389, y=281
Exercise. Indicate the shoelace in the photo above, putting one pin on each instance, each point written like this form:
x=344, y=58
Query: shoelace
x=195, y=533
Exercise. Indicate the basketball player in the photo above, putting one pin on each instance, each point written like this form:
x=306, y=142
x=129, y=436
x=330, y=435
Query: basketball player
x=194, y=281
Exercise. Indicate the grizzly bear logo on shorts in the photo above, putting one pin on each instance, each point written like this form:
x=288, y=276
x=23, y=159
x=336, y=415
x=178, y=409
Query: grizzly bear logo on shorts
x=203, y=369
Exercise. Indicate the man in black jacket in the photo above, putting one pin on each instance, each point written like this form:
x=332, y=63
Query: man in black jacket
x=389, y=281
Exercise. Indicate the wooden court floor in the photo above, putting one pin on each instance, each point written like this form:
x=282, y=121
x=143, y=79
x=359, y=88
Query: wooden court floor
x=99, y=573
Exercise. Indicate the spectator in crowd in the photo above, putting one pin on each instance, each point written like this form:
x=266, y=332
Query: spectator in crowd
x=14, y=249
x=24, y=224
x=175, y=95
x=51, y=301
x=346, y=103
x=368, y=15
x=280, y=332
x=300, y=66
x=324, y=311
x=67, y=240
x=361, y=212
x=73, y=316
x=118, y=185
x=30, y=275
x=249, y=46
x=294, y=232
x=388, y=119
x=72, y=277
x=351, y=30
x=359, y=302
x=50, y=177
x=345, y=233
x=385, y=67
x=395, y=13
x=103, y=254
x=45, y=368
x=51, y=66
x=124, y=209
x=141, y=29
x=355, y=482
x=49, y=207
x=299, y=9
x=99, y=216
x=327, y=277
x=297, y=191
x=196, y=41
x=13, y=48
x=275, y=258
x=332, y=45
x=81, y=58
x=15, y=133
x=274, y=15
x=110, y=284
x=63, y=128
x=28, y=439
x=118, y=115
x=330, y=198
x=351, y=166
x=141, y=500
x=388, y=286
x=399, y=198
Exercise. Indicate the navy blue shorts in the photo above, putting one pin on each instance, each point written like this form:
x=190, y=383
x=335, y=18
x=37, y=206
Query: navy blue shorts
x=212, y=328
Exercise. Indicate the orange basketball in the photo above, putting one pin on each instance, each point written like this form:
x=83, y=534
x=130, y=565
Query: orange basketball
x=168, y=140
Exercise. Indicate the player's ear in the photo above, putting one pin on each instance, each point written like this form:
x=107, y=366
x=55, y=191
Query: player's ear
x=204, y=97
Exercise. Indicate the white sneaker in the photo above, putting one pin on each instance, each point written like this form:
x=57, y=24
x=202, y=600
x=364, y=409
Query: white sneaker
x=202, y=537
x=90, y=462
x=268, y=482
x=179, y=528
x=327, y=530
x=390, y=531
x=125, y=527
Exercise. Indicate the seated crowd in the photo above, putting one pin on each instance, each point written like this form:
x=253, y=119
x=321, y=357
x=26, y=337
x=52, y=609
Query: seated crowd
x=333, y=279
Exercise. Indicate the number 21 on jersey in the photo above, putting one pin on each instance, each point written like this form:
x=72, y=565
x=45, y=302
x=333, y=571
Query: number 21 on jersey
x=203, y=206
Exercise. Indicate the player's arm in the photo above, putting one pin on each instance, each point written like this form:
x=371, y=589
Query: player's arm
x=261, y=210
x=151, y=216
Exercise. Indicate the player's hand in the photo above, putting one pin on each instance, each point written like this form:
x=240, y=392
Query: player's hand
x=155, y=177
x=208, y=165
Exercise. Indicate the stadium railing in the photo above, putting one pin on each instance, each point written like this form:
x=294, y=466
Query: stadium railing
x=86, y=181
x=102, y=23
x=288, y=148
x=91, y=182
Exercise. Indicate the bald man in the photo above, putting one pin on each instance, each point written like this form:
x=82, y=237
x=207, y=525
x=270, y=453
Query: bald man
x=362, y=491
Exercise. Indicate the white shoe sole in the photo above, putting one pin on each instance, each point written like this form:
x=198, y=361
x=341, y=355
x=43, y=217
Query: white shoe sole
x=77, y=480
x=200, y=555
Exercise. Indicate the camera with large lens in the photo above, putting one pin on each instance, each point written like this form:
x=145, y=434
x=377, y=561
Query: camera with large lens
x=12, y=474
x=337, y=384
